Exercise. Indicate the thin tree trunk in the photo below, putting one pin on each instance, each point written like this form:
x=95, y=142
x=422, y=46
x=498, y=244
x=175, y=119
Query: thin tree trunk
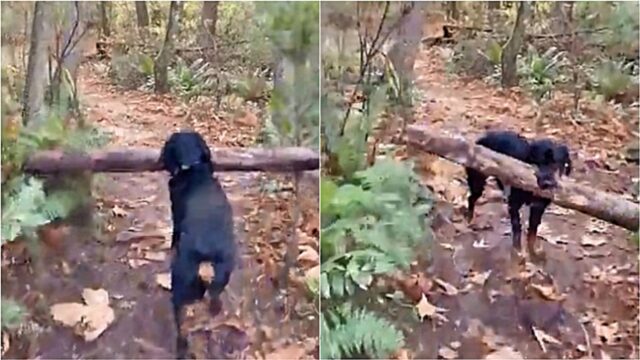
x=104, y=19
x=142, y=14
x=208, y=22
x=452, y=10
x=36, y=81
x=161, y=75
x=512, y=47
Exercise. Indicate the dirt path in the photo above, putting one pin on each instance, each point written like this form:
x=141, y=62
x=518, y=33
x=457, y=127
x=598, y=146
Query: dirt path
x=256, y=317
x=596, y=286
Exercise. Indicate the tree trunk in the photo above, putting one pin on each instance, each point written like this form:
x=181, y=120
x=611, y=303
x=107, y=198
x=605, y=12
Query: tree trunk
x=104, y=19
x=145, y=159
x=142, y=14
x=558, y=21
x=512, y=47
x=36, y=80
x=208, y=22
x=161, y=65
x=452, y=10
x=606, y=206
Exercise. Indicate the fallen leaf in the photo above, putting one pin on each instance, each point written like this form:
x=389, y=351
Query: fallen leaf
x=90, y=320
x=136, y=263
x=479, y=278
x=426, y=309
x=132, y=235
x=291, y=352
x=506, y=352
x=117, y=211
x=68, y=314
x=95, y=297
x=309, y=254
x=547, y=291
x=604, y=355
x=447, y=246
x=606, y=332
x=542, y=336
x=588, y=240
x=449, y=289
x=155, y=255
x=164, y=280
x=402, y=354
x=5, y=342
x=480, y=244
x=455, y=345
x=447, y=353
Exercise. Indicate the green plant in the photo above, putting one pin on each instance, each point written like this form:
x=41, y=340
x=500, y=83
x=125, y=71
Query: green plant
x=354, y=333
x=11, y=313
x=541, y=72
x=193, y=80
x=612, y=78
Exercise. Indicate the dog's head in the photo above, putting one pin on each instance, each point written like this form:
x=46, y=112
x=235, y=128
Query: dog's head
x=550, y=159
x=183, y=150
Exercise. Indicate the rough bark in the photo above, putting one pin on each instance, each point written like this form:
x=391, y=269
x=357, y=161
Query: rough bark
x=569, y=194
x=36, y=80
x=145, y=159
x=142, y=14
x=208, y=22
x=104, y=19
x=160, y=70
x=513, y=45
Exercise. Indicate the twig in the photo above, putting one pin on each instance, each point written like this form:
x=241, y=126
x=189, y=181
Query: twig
x=587, y=339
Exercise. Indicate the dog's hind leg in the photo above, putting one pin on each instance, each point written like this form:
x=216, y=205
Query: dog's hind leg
x=221, y=278
x=186, y=287
x=476, y=181
x=538, y=207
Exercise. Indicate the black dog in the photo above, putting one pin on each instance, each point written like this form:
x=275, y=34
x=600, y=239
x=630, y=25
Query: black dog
x=203, y=225
x=546, y=155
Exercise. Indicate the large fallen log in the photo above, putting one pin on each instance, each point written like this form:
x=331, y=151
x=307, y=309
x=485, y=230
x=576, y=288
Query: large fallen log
x=569, y=194
x=146, y=159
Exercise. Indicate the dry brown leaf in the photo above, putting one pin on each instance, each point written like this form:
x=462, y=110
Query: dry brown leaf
x=68, y=314
x=90, y=320
x=542, y=336
x=95, y=297
x=547, y=291
x=291, y=352
x=449, y=289
x=309, y=255
x=5, y=342
x=447, y=353
x=480, y=278
x=155, y=255
x=447, y=246
x=427, y=309
x=606, y=331
x=402, y=354
x=117, y=211
x=164, y=280
x=588, y=240
x=506, y=352
x=136, y=263
x=455, y=345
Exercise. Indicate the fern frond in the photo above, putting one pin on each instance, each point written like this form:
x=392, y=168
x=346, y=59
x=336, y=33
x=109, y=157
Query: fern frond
x=354, y=333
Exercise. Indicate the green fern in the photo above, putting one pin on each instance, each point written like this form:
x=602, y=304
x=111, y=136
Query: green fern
x=355, y=333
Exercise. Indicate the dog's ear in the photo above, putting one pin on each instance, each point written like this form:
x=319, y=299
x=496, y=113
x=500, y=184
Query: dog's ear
x=168, y=156
x=564, y=159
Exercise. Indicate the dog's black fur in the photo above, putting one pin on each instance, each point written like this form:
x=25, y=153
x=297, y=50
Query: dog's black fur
x=203, y=225
x=547, y=156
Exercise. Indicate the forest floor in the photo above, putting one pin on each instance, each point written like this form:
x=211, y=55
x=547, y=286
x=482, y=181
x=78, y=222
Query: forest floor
x=131, y=258
x=583, y=301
